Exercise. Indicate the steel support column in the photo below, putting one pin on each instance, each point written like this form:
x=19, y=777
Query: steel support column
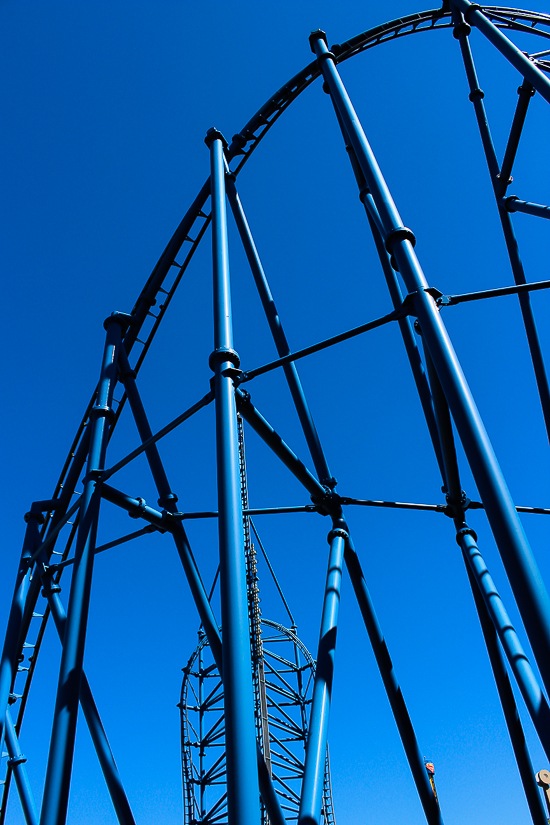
x=8, y=662
x=168, y=499
x=475, y=16
x=58, y=775
x=531, y=691
x=509, y=708
x=499, y=184
x=478, y=572
x=529, y=590
x=97, y=732
x=242, y=775
x=316, y=748
x=17, y=763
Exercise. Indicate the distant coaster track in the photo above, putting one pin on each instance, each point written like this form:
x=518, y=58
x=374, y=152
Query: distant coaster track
x=167, y=274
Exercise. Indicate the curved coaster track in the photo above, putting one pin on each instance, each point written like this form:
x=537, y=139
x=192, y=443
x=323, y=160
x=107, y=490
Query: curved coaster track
x=62, y=530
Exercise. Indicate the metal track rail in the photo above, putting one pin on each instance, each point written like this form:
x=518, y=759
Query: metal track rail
x=165, y=278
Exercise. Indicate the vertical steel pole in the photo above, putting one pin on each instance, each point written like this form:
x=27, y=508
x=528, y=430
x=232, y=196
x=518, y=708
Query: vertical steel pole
x=58, y=775
x=316, y=749
x=475, y=16
x=97, y=732
x=17, y=763
x=523, y=573
x=242, y=776
x=168, y=499
x=499, y=180
x=467, y=541
x=531, y=691
x=279, y=337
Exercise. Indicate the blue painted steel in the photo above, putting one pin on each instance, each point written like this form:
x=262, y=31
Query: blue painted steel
x=533, y=696
x=525, y=94
x=168, y=500
x=393, y=691
x=529, y=590
x=17, y=764
x=513, y=204
x=89, y=708
x=475, y=16
x=279, y=337
x=405, y=325
x=509, y=708
x=451, y=475
x=526, y=679
x=8, y=662
x=58, y=775
x=499, y=184
x=276, y=443
x=148, y=296
x=316, y=748
x=450, y=300
x=240, y=740
x=321, y=345
x=397, y=239
x=206, y=399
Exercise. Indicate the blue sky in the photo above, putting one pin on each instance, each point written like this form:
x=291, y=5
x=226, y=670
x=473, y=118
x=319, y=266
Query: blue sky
x=106, y=107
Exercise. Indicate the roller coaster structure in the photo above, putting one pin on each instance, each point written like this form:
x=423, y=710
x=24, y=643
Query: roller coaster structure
x=444, y=395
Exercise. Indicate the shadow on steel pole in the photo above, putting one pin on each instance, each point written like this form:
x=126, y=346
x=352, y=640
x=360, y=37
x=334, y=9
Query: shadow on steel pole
x=316, y=748
x=509, y=708
x=58, y=775
x=523, y=573
x=492, y=615
x=243, y=796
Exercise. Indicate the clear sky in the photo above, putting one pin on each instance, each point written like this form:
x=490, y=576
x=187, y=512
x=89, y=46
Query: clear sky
x=106, y=105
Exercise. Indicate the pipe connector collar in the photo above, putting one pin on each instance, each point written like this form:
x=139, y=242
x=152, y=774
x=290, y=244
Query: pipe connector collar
x=214, y=134
x=319, y=34
x=337, y=533
x=222, y=354
x=465, y=531
x=400, y=233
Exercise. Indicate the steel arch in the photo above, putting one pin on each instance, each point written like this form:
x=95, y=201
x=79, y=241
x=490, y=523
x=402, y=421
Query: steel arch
x=196, y=222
